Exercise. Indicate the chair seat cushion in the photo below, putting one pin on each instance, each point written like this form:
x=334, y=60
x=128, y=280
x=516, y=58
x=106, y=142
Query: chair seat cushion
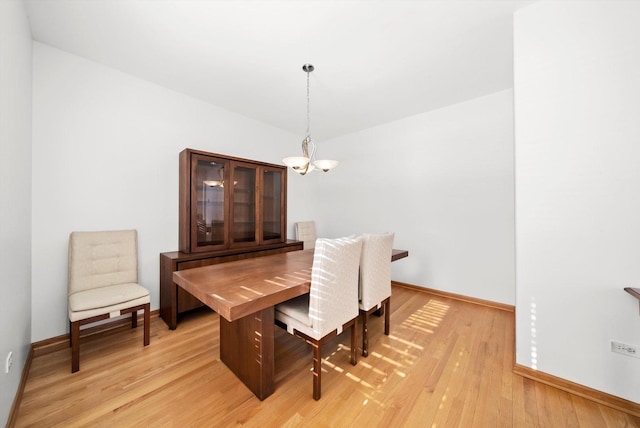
x=104, y=297
x=296, y=309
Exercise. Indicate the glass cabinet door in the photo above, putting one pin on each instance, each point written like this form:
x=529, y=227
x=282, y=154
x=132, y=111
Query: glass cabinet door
x=272, y=198
x=209, y=195
x=244, y=206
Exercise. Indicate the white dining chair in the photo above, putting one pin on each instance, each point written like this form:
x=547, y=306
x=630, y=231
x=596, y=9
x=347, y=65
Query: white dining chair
x=332, y=303
x=306, y=232
x=103, y=283
x=375, y=281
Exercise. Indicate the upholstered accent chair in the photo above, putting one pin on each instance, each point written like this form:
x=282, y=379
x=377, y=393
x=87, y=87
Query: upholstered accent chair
x=332, y=304
x=375, y=281
x=103, y=282
x=306, y=232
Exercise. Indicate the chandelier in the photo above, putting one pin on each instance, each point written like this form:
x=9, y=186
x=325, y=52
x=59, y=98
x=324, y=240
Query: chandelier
x=308, y=162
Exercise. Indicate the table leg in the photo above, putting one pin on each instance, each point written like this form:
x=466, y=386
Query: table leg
x=247, y=348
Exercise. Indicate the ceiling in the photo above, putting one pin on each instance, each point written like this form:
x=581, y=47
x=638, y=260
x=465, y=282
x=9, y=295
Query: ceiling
x=375, y=61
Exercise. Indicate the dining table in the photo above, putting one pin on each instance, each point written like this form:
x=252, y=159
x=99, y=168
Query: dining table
x=244, y=293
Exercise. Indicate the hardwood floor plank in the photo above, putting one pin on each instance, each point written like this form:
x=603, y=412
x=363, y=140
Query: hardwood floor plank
x=446, y=363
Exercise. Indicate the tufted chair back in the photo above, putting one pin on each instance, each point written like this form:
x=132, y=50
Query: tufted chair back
x=100, y=259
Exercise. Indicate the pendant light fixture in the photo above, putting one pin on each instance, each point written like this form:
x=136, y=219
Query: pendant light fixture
x=307, y=162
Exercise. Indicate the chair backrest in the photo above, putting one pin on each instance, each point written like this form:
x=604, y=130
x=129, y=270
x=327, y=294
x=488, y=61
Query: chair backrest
x=306, y=232
x=99, y=259
x=375, y=269
x=333, y=297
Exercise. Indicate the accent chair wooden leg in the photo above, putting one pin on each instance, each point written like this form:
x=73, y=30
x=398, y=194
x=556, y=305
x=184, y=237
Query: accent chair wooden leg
x=387, y=315
x=147, y=324
x=317, y=370
x=365, y=334
x=70, y=336
x=354, y=341
x=134, y=319
x=75, y=346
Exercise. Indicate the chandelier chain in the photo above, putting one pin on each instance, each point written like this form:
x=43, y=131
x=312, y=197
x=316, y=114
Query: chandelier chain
x=308, y=108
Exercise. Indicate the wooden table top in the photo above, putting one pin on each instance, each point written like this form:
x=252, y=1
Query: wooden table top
x=240, y=288
x=398, y=254
x=635, y=292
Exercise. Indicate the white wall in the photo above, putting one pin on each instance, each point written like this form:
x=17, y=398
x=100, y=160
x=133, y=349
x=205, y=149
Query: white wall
x=442, y=181
x=105, y=156
x=577, y=109
x=15, y=196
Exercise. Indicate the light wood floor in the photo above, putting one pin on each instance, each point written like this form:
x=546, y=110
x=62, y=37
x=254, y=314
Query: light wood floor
x=446, y=364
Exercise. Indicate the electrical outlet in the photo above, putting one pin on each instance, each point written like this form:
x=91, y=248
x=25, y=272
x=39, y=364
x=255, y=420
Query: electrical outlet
x=8, y=362
x=624, y=349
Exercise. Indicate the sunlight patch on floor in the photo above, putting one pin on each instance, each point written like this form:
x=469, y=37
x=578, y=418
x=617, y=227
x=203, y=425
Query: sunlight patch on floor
x=394, y=355
x=427, y=318
x=405, y=342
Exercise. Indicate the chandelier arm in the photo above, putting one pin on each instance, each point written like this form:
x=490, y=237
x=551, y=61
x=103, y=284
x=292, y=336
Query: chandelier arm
x=308, y=141
x=313, y=150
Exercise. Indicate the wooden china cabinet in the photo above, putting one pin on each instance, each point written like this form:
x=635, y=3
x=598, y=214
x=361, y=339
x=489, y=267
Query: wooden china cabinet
x=229, y=209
